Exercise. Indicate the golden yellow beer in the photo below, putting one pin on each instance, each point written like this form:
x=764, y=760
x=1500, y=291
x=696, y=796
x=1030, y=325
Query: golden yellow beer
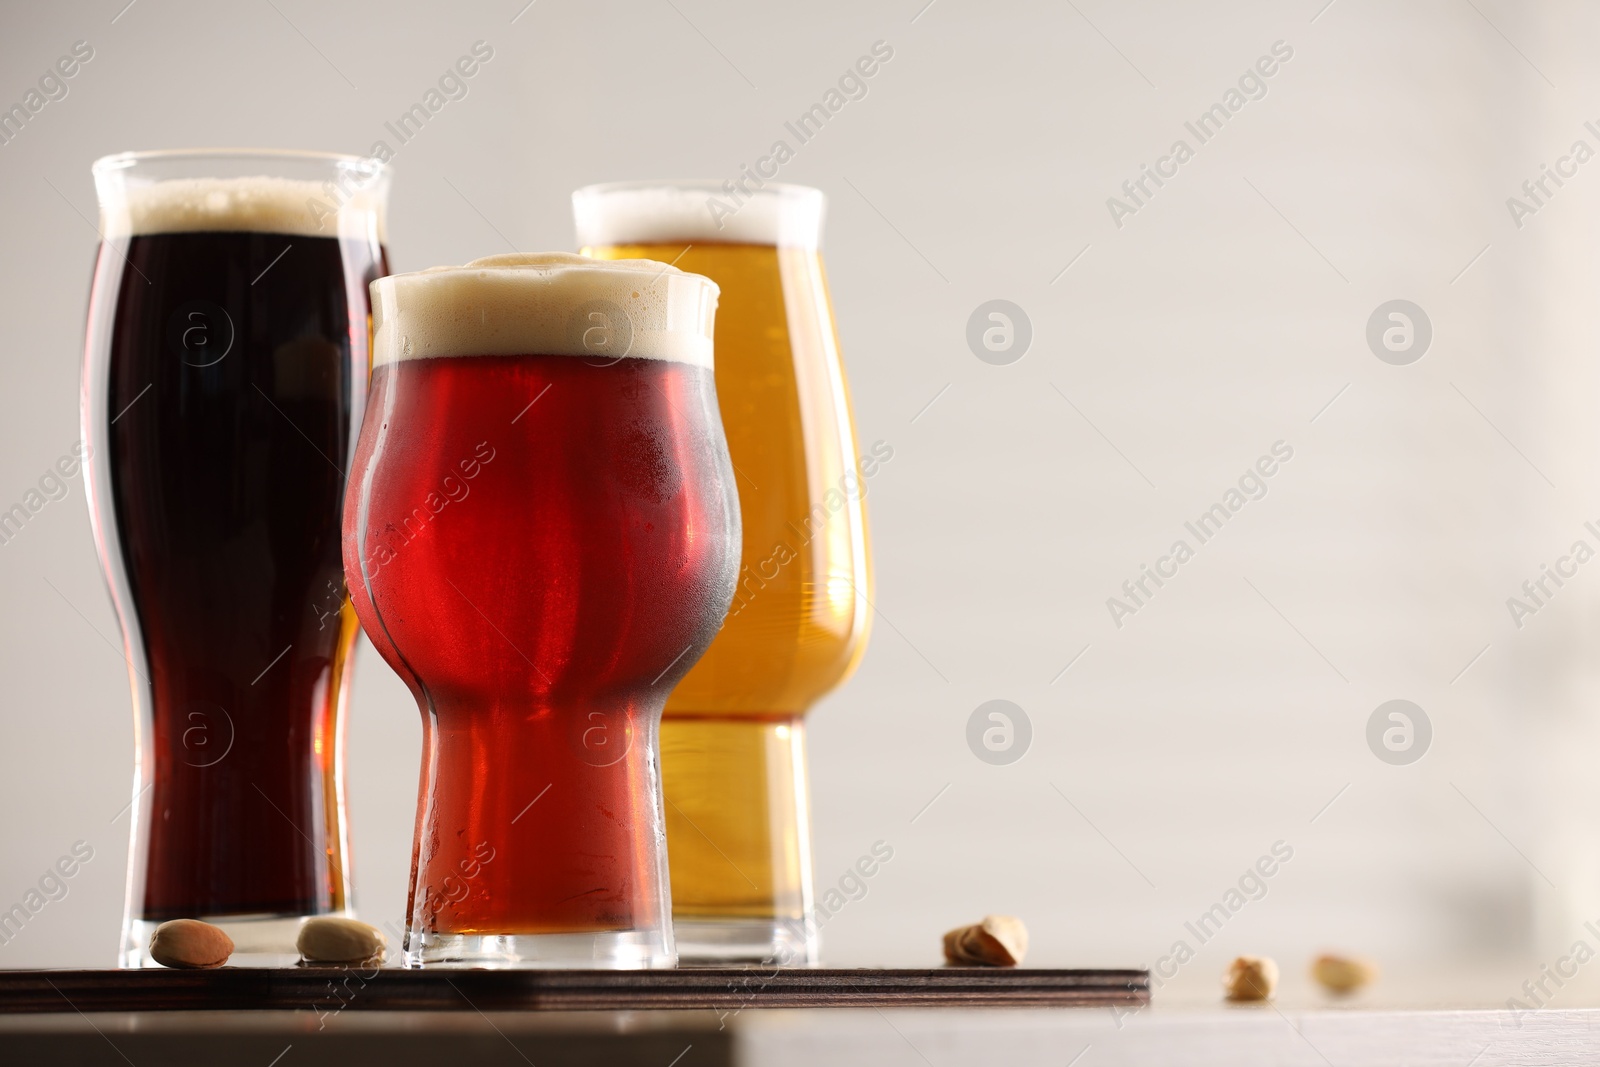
x=732, y=740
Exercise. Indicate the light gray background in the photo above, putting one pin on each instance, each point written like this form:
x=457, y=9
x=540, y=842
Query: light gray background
x=1228, y=314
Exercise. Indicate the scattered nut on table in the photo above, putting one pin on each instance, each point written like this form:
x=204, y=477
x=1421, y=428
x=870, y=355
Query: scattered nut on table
x=190, y=943
x=335, y=939
x=998, y=941
x=1343, y=974
x=1251, y=978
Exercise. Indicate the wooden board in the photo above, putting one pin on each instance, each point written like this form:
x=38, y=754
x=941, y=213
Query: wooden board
x=396, y=989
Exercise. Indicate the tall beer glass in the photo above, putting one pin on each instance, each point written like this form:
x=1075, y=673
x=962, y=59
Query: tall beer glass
x=542, y=537
x=733, y=741
x=226, y=357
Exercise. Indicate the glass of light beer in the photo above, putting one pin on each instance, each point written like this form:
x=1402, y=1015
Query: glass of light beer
x=542, y=537
x=733, y=740
x=225, y=363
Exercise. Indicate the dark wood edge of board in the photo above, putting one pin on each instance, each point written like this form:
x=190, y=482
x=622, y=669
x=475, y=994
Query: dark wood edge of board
x=398, y=989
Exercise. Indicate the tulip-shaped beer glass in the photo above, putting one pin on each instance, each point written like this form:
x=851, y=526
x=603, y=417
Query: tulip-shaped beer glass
x=541, y=538
x=733, y=740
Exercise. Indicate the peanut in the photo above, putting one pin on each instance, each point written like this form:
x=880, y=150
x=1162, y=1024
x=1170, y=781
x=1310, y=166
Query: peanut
x=998, y=941
x=334, y=939
x=1251, y=978
x=1343, y=974
x=190, y=943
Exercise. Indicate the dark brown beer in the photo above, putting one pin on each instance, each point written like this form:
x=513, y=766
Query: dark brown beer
x=227, y=474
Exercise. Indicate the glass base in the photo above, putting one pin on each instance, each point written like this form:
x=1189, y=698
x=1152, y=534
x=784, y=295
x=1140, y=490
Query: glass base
x=603, y=950
x=730, y=942
x=258, y=940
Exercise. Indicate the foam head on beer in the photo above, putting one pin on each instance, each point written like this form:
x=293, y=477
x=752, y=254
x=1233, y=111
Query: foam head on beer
x=549, y=304
x=642, y=213
x=290, y=206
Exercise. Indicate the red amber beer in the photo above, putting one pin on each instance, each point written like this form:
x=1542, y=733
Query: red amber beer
x=541, y=536
x=226, y=365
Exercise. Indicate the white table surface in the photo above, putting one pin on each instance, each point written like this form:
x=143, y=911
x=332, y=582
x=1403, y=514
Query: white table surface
x=1236, y=1036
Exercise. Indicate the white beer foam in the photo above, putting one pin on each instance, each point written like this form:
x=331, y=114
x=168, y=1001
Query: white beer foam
x=290, y=206
x=788, y=216
x=545, y=303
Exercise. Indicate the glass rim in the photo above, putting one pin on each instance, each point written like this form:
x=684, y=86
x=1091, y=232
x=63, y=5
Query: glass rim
x=712, y=185
x=159, y=191
x=118, y=161
x=772, y=214
x=504, y=262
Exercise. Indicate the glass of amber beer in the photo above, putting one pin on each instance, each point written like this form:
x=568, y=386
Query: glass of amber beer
x=225, y=364
x=733, y=740
x=542, y=537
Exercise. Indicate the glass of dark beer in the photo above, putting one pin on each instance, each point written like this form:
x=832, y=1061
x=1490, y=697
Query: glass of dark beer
x=541, y=537
x=227, y=355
